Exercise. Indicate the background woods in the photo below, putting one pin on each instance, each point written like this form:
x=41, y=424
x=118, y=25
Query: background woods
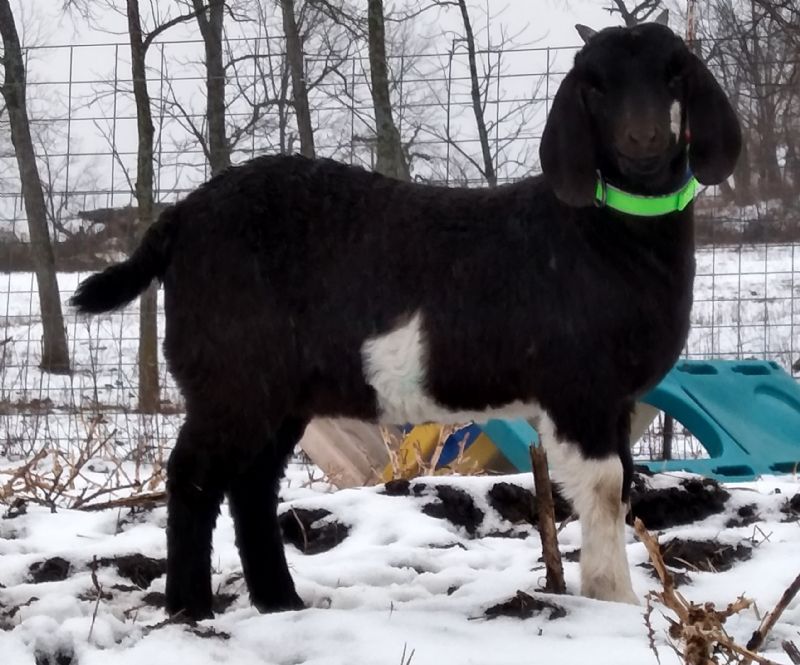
x=444, y=91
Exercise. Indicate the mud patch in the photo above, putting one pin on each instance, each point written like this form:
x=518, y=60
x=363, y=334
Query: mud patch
x=745, y=516
x=525, y=606
x=55, y=569
x=17, y=508
x=139, y=569
x=220, y=602
x=691, y=500
x=399, y=487
x=518, y=505
x=155, y=599
x=303, y=529
x=792, y=508
x=708, y=556
x=679, y=577
x=456, y=506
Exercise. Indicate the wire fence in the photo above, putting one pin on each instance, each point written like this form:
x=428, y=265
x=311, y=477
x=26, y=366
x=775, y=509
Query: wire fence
x=747, y=294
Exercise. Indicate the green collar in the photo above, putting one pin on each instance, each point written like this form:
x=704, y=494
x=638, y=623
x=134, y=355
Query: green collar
x=608, y=196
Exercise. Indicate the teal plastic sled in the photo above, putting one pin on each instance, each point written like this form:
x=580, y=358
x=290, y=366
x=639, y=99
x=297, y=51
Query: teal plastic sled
x=746, y=414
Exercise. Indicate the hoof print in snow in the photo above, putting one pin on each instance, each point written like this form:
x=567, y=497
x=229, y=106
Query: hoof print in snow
x=304, y=529
x=60, y=657
x=525, y=606
x=456, y=506
x=708, y=556
x=691, y=500
x=139, y=569
x=745, y=516
x=516, y=504
x=55, y=569
x=398, y=487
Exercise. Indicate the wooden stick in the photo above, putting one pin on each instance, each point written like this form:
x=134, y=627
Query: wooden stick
x=792, y=651
x=128, y=502
x=772, y=618
x=547, y=521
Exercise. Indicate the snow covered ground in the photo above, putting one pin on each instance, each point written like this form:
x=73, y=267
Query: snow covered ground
x=414, y=573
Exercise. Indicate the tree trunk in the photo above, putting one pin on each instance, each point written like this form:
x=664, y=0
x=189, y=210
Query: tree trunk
x=55, y=352
x=742, y=175
x=390, y=158
x=294, y=56
x=148, y=328
x=210, y=22
x=477, y=105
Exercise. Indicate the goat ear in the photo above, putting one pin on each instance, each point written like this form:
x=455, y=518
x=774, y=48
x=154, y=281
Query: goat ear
x=662, y=18
x=714, y=130
x=585, y=32
x=567, y=149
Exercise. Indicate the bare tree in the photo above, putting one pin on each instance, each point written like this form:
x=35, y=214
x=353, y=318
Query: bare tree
x=295, y=59
x=210, y=19
x=639, y=12
x=747, y=47
x=149, y=391
x=55, y=352
x=477, y=101
x=502, y=144
x=140, y=41
x=390, y=158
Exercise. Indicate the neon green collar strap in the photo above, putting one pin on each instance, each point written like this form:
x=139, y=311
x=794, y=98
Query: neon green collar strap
x=608, y=196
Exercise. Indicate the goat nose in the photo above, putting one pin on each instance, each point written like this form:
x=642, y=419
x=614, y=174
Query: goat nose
x=643, y=137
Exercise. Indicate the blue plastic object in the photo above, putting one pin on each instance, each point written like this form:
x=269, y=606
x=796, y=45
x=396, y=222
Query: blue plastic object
x=452, y=446
x=746, y=414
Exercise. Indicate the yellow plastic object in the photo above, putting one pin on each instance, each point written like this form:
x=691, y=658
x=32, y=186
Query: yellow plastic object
x=483, y=455
x=420, y=444
x=406, y=464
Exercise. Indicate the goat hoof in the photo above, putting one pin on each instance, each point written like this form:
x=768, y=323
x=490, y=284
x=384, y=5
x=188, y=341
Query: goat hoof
x=190, y=615
x=288, y=604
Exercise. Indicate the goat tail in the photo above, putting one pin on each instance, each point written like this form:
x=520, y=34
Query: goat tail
x=119, y=284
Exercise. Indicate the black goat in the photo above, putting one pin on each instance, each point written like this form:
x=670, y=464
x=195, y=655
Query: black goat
x=296, y=288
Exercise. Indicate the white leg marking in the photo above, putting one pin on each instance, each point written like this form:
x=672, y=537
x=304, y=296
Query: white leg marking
x=595, y=489
x=675, y=113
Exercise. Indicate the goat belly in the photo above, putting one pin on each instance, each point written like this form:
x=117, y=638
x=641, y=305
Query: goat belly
x=395, y=366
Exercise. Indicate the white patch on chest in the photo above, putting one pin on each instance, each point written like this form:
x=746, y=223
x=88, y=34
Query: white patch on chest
x=394, y=365
x=675, y=114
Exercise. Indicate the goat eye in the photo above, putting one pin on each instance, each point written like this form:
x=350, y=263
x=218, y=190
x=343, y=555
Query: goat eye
x=595, y=87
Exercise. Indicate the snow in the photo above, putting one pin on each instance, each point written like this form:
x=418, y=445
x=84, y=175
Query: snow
x=400, y=580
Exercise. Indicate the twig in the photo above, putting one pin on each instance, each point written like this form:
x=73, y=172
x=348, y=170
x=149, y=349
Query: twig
x=772, y=618
x=302, y=528
x=99, y=590
x=8, y=488
x=792, y=651
x=547, y=521
x=128, y=502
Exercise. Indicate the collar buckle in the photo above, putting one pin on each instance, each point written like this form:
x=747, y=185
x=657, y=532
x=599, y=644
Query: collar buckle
x=601, y=193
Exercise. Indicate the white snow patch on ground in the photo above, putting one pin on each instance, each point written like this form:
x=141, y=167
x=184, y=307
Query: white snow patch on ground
x=400, y=580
